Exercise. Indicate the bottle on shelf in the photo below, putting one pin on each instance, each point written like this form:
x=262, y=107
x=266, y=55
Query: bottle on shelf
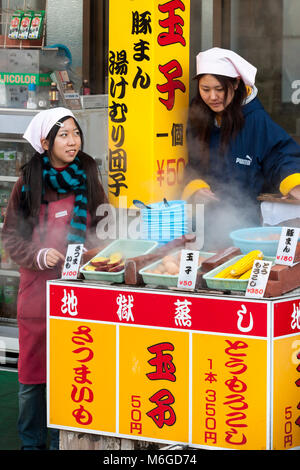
x=32, y=100
x=85, y=89
x=53, y=95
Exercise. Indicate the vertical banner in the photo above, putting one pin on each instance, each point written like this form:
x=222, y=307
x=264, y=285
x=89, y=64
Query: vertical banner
x=148, y=99
x=154, y=384
x=83, y=386
x=229, y=374
x=286, y=352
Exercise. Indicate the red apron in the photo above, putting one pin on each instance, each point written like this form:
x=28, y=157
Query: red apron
x=54, y=223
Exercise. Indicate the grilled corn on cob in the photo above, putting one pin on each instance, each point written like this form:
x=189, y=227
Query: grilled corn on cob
x=245, y=263
x=225, y=273
x=246, y=275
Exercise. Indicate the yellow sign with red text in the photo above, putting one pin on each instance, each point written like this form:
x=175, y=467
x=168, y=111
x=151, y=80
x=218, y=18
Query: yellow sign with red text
x=83, y=384
x=229, y=373
x=286, y=375
x=148, y=99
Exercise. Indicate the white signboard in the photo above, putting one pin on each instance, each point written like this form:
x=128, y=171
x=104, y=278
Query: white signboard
x=258, y=280
x=287, y=246
x=188, y=269
x=72, y=261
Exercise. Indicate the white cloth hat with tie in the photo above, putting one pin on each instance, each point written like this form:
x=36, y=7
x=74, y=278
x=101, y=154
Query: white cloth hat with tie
x=41, y=125
x=217, y=61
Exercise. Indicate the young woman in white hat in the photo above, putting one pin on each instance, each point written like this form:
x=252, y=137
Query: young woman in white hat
x=52, y=204
x=236, y=151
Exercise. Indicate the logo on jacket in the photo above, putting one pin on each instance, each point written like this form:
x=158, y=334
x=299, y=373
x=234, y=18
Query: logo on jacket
x=244, y=161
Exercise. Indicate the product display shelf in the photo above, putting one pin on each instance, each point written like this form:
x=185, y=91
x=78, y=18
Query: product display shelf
x=6, y=13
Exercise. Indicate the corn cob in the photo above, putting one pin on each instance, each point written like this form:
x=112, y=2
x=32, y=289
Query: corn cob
x=245, y=263
x=246, y=275
x=225, y=273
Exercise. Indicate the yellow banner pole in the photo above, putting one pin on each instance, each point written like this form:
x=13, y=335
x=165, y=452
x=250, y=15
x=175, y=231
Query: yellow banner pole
x=148, y=99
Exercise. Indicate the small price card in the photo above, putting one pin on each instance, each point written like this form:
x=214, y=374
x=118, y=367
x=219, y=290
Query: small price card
x=188, y=269
x=72, y=262
x=258, y=280
x=287, y=246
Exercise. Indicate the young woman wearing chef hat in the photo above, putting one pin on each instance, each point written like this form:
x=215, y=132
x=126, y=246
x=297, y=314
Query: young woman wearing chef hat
x=52, y=204
x=236, y=151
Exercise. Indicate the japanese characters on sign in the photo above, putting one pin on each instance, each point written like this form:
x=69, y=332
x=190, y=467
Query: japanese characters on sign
x=236, y=402
x=287, y=246
x=163, y=413
x=298, y=385
x=148, y=70
x=82, y=393
x=72, y=261
x=180, y=381
x=258, y=279
x=188, y=269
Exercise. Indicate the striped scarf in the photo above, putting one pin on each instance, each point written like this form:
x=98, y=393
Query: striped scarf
x=72, y=178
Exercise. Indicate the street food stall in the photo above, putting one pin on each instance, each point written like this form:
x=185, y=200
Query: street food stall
x=137, y=356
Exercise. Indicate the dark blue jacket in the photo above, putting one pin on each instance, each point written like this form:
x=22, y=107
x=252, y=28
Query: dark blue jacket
x=258, y=159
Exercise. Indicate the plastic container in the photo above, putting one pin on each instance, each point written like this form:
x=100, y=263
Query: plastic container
x=164, y=222
x=32, y=99
x=129, y=249
x=256, y=238
x=166, y=280
x=228, y=284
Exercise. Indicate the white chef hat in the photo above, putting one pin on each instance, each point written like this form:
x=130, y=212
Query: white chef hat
x=219, y=61
x=41, y=125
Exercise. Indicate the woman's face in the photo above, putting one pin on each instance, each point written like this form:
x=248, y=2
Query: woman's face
x=213, y=93
x=67, y=144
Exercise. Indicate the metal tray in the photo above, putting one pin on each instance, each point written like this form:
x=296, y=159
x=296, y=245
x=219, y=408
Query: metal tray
x=167, y=280
x=129, y=248
x=228, y=284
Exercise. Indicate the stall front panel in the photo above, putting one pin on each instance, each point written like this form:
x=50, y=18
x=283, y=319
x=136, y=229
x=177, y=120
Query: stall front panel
x=286, y=374
x=163, y=366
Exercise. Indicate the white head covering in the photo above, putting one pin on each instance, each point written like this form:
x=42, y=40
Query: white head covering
x=219, y=61
x=41, y=125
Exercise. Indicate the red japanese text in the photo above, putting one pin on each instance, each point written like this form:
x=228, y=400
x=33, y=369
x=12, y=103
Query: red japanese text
x=163, y=413
x=236, y=401
x=81, y=390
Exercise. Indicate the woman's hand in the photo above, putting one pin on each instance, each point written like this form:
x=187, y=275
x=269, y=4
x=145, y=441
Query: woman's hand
x=204, y=195
x=295, y=192
x=54, y=257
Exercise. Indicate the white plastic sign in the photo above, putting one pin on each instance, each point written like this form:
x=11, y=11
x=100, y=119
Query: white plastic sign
x=287, y=246
x=72, y=261
x=258, y=280
x=188, y=269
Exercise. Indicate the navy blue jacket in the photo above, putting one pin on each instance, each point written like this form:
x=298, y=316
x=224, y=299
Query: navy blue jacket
x=258, y=159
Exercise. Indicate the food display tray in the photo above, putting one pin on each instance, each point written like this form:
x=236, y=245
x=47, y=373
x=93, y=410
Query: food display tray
x=167, y=280
x=128, y=248
x=228, y=284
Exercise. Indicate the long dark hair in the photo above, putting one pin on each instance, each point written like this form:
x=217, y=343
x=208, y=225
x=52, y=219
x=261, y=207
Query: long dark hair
x=201, y=119
x=32, y=175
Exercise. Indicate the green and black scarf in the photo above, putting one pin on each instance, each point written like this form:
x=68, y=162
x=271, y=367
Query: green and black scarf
x=72, y=178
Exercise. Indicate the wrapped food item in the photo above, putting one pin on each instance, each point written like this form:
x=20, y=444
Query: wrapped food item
x=36, y=26
x=15, y=23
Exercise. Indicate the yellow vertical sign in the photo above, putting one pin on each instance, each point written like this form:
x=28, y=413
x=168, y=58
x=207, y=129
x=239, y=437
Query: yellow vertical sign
x=286, y=401
x=229, y=392
x=148, y=98
x=82, y=389
x=154, y=384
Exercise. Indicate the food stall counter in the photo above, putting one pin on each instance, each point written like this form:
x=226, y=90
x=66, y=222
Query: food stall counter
x=199, y=368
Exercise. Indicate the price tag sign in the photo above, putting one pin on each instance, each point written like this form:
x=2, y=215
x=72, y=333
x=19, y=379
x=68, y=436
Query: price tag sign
x=258, y=280
x=72, y=262
x=287, y=246
x=188, y=269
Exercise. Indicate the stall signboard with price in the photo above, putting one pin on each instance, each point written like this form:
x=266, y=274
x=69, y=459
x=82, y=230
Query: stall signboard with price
x=210, y=372
x=148, y=99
